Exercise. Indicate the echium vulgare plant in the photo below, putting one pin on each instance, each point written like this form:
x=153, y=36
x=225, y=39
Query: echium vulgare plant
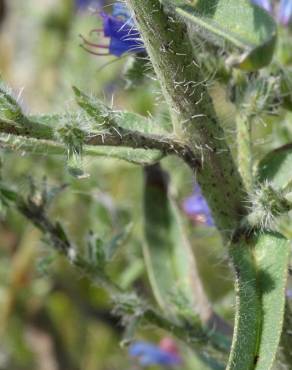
x=190, y=46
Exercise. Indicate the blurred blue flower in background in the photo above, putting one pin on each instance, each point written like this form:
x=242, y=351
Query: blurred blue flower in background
x=84, y=4
x=196, y=207
x=120, y=29
x=150, y=354
x=284, y=10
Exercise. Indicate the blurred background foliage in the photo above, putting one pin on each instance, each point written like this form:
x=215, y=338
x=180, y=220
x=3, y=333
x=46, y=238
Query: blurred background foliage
x=51, y=318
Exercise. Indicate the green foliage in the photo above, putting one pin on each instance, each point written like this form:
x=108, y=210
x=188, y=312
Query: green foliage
x=7, y=194
x=74, y=130
x=10, y=109
x=101, y=252
x=169, y=260
x=95, y=253
x=115, y=119
x=110, y=239
x=247, y=28
x=272, y=254
x=261, y=275
x=248, y=309
x=135, y=71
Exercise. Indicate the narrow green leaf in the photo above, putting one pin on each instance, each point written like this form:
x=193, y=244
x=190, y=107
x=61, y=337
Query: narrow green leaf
x=136, y=122
x=134, y=270
x=52, y=120
x=92, y=106
x=135, y=156
x=168, y=255
x=261, y=273
x=118, y=240
x=276, y=167
x=272, y=254
x=9, y=107
x=105, y=115
x=8, y=194
x=246, y=27
x=248, y=309
x=95, y=252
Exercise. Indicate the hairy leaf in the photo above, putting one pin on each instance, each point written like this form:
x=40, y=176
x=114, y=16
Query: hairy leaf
x=261, y=273
x=272, y=254
x=114, y=118
x=248, y=28
x=169, y=259
x=248, y=309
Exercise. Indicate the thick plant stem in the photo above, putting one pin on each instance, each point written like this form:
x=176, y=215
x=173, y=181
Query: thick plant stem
x=244, y=150
x=194, y=117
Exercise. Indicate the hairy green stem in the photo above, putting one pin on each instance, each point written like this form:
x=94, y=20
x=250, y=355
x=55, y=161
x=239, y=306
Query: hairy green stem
x=37, y=134
x=244, y=150
x=194, y=117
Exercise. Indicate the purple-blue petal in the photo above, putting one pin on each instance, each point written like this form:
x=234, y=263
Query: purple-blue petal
x=114, y=27
x=124, y=37
x=285, y=12
x=149, y=354
x=119, y=47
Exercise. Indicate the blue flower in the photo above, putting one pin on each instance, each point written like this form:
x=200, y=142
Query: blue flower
x=120, y=29
x=197, y=208
x=285, y=12
x=149, y=354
